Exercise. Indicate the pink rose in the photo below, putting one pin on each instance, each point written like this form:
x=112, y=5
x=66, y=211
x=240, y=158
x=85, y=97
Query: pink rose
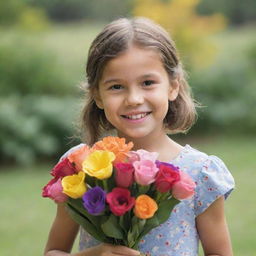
x=145, y=172
x=45, y=192
x=184, y=188
x=120, y=201
x=63, y=168
x=124, y=174
x=53, y=190
x=142, y=154
x=166, y=177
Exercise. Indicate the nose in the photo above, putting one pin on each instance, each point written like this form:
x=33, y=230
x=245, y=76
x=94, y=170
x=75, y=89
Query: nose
x=134, y=97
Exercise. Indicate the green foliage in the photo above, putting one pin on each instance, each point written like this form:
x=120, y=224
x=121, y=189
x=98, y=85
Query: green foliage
x=34, y=126
x=236, y=11
x=228, y=92
x=18, y=13
x=98, y=10
x=24, y=69
x=10, y=11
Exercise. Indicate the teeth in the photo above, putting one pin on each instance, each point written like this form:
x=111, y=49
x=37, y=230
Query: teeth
x=134, y=117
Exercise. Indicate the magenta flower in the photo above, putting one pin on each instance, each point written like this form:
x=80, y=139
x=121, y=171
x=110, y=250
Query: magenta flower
x=63, y=168
x=94, y=200
x=45, y=192
x=54, y=190
x=166, y=177
x=120, y=201
x=56, y=193
x=124, y=174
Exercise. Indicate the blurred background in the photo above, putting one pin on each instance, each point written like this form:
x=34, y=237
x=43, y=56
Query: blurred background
x=43, y=49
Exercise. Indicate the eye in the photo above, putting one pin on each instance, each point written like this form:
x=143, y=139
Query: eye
x=115, y=87
x=148, y=82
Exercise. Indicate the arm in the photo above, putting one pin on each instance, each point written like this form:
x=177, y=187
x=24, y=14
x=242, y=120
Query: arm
x=62, y=234
x=213, y=230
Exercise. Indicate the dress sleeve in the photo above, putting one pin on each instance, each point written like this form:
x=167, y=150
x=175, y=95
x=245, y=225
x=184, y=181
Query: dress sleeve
x=214, y=181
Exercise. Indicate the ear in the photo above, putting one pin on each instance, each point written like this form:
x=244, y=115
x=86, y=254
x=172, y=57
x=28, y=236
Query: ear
x=97, y=99
x=174, y=89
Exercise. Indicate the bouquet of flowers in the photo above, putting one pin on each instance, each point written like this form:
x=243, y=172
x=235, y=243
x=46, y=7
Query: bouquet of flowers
x=115, y=194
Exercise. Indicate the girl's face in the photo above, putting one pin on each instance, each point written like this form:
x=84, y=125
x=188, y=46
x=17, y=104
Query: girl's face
x=134, y=91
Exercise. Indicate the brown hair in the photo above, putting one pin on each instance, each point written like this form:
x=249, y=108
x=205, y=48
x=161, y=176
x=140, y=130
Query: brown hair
x=114, y=39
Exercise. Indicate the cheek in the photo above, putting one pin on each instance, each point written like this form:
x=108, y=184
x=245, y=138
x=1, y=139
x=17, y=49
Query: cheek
x=160, y=101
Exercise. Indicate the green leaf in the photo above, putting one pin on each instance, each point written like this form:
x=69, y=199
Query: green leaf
x=162, y=214
x=112, y=228
x=86, y=224
x=78, y=205
x=165, y=208
x=124, y=222
x=150, y=224
x=130, y=239
x=135, y=231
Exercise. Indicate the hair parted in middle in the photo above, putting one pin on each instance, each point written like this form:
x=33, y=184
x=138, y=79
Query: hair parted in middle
x=116, y=38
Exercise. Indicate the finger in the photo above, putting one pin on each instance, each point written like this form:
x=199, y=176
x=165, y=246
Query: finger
x=123, y=250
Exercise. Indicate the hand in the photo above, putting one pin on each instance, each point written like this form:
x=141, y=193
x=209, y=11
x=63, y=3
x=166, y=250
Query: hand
x=109, y=250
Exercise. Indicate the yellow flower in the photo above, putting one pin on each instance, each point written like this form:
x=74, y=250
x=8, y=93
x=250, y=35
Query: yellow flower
x=99, y=164
x=73, y=185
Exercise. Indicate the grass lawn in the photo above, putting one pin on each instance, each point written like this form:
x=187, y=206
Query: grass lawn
x=26, y=217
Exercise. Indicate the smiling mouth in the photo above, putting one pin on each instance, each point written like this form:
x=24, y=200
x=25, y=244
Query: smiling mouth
x=136, y=117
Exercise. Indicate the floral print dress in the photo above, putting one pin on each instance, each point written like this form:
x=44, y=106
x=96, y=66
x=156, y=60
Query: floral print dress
x=178, y=235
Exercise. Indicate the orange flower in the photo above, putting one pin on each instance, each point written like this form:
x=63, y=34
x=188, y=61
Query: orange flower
x=78, y=156
x=116, y=145
x=145, y=207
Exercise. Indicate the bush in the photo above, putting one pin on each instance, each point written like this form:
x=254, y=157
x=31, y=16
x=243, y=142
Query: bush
x=35, y=126
x=19, y=13
x=228, y=91
x=26, y=69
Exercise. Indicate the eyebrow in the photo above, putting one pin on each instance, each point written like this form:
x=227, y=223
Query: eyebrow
x=116, y=80
x=112, y=80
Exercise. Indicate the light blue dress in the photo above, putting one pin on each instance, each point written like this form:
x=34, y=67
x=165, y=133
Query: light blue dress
x=178, y=235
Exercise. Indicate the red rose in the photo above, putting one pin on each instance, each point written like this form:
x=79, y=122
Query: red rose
x=124, y=174
x=120, y=201
x=63, y=168
x=166, y=177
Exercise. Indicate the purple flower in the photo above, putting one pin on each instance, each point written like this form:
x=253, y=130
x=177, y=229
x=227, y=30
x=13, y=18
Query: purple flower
x=94, y=200
x=159, y=163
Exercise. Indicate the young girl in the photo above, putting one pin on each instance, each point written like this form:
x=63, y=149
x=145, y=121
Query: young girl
x=137, y=87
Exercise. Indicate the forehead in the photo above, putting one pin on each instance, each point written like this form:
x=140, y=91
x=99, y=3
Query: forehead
x=134, y=61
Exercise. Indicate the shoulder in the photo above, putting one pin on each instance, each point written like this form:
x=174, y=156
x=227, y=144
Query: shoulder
x=212, y=177
x=198, y=164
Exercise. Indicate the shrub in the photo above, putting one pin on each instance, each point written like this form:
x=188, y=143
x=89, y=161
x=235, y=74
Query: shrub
x=35, y=126
x=228, y=92
x=26, y=69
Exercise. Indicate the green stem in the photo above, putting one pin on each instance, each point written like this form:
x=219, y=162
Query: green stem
x=158, y=196
x=105, y=184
